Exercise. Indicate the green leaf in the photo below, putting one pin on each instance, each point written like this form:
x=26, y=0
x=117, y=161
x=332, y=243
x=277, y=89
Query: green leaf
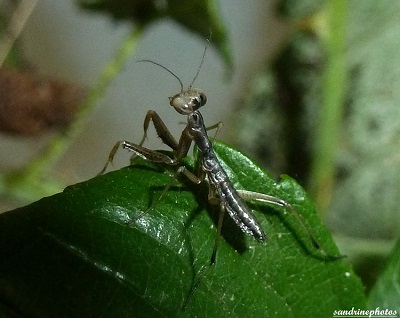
x=74, y=254
x=199, y=16
x=386, y=294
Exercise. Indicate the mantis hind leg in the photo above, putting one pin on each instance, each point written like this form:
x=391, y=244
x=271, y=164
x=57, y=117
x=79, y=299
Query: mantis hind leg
x=250, y=195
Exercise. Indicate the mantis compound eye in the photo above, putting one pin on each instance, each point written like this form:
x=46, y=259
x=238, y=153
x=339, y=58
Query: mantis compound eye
x=203, y=99
x=188, y=101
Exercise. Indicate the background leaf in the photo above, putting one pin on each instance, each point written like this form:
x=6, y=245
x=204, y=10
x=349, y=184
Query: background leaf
x=292, y=98
x=298, y=9
x=73, y=254
x=368, y=182
x=386, y=294
x=199, y=16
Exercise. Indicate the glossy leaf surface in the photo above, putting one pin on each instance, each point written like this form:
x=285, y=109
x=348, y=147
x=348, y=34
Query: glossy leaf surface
x=73, y=254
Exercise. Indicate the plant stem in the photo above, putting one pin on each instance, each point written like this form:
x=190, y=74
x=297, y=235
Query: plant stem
x=39, y=168
x=15, y=27
x=328, y=131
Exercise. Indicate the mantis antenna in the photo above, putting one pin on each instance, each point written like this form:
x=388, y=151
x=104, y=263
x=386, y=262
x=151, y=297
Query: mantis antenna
x=176, y=76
